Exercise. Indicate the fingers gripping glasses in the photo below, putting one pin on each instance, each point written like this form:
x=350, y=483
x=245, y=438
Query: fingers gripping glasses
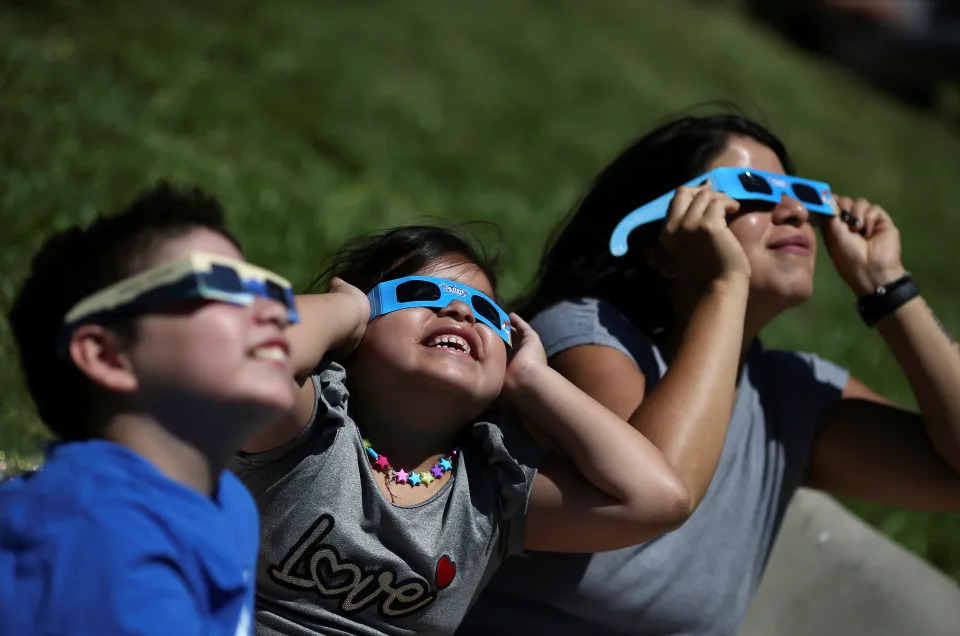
x=199, y=275
x=742, y=184
x=426, y=291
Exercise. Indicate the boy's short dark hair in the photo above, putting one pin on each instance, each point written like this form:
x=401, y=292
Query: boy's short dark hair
x=76, y=262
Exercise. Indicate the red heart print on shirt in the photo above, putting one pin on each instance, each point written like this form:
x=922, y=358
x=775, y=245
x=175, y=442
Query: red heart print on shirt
x=446, y=570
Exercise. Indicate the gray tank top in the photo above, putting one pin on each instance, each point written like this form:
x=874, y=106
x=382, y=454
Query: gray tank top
x=336, y=557
x=700, y=578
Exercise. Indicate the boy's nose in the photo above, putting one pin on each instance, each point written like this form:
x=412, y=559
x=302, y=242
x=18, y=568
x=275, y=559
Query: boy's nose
x=270, y=310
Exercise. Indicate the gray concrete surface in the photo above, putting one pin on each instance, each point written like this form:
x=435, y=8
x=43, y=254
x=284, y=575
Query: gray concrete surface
x=830, y=573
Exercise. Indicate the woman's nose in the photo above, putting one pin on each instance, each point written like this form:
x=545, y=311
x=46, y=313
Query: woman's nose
x=790, y=211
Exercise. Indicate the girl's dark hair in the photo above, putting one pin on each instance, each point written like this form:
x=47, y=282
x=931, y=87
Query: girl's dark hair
x=368, y=260
x=76, y=262
x=578, y=260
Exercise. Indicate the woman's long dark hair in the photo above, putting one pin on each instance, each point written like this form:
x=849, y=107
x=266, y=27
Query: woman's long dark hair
x=578, y=261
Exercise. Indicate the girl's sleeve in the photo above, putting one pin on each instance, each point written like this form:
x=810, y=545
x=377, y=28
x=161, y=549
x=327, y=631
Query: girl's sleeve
x=329, y=413
x=513, y=458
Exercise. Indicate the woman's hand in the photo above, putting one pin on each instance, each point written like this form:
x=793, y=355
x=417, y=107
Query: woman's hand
x=358, y=317
x=864, y=245
x=700, y=243
x=527, y=354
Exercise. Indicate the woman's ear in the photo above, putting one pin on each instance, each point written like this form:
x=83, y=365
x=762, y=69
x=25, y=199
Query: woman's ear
x=661, y=261
x=97, y=353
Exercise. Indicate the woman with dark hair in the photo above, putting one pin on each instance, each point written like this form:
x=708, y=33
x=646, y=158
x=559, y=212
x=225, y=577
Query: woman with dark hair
x=615, y=326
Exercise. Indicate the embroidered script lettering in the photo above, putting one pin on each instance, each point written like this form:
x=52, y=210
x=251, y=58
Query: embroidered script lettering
x=317, y=566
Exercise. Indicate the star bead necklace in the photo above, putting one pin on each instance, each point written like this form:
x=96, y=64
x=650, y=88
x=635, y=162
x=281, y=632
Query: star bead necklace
x=401, y=476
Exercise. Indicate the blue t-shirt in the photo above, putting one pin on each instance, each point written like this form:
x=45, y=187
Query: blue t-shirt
x=99, y=541
x=698, y=579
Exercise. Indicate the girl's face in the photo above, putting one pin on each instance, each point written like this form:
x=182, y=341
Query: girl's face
x=443, y=357
x=208, y=354
x=780, y=243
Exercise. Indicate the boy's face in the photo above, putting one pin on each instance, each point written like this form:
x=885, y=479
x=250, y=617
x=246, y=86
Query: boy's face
x=203, y=356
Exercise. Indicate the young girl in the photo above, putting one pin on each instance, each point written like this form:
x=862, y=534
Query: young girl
x=395, y=490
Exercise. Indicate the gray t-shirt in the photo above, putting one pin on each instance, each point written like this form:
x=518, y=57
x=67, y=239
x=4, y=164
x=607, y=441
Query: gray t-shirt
x=700, y=578
x=337, y=557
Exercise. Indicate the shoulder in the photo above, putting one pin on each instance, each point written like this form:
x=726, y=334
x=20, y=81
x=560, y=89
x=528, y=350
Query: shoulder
x=798, y=391
x=588, y=321
x=500, y=433
x=330, y=413
x=804, y=369
x=127, y=530
x=502, y=460
x=500, y=447
x=99, y=540
x=76, y=479
x=330, y=382
x=130, y=573
x=104, y=533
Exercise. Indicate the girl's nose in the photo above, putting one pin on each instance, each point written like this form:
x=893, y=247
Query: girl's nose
x=458, y=310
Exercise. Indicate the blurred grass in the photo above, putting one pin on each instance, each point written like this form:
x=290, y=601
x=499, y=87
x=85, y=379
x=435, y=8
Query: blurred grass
x=316, y=120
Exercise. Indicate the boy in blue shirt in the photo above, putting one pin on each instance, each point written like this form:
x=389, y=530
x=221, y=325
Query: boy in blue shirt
x=152, y=351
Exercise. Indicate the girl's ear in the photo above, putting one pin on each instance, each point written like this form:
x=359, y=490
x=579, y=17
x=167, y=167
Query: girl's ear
x=661, y=261
x=97, y=353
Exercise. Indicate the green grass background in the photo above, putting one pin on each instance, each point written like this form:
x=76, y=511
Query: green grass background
x=315, y=120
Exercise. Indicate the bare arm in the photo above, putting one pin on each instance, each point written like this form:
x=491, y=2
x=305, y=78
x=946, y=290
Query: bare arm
x=931, y=363
x=328, y=322
x=869, y=447
x=331, y=321
x=875, y=450
x=688, y=414
x=616, y=489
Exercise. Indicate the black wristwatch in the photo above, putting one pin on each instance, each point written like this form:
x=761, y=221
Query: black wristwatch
x=887, y=299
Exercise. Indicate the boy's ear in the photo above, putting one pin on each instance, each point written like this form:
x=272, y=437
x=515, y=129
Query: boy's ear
x=97, y=354
x=661, y=261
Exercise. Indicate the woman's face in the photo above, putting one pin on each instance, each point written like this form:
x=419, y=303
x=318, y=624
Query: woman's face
x=443, y=356
x=780, y=242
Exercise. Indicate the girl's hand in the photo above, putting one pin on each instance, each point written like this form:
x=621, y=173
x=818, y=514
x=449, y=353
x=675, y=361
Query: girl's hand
x=359, y=317
x=527, y=354
x=700, y=243
x=864, y=245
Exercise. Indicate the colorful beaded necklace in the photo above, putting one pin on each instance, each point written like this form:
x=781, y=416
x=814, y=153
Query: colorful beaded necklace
x=401, y=476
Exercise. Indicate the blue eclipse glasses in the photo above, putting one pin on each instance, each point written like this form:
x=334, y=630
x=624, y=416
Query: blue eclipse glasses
x=427, y=291
x=199, y=275
x=742, y=184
